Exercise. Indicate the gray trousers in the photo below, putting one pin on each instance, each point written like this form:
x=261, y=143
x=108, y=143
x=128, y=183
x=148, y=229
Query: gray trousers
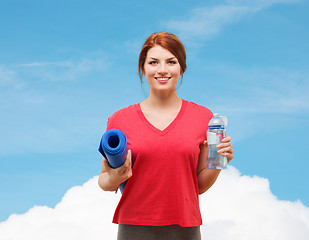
x=170, y=232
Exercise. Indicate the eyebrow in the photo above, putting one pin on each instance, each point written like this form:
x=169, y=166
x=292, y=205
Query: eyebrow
x=166, y=59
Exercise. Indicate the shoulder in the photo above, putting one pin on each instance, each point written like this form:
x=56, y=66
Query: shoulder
x=121, y=117
x=123, y=112
x=198, y=109
x=197, y=117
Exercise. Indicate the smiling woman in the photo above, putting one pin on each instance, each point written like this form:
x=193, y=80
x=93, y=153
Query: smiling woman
x=165, y=167
x=161, y=69
x=166, y=41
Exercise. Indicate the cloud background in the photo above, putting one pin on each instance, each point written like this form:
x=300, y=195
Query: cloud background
x=205, y=22
x=65, y=67
x=237, y=207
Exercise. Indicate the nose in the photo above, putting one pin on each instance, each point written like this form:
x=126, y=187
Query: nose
x=162, y=69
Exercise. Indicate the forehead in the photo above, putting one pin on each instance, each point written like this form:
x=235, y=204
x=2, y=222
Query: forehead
x=159, y=53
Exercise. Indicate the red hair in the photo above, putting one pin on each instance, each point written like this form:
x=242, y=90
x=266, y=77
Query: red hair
x=168, y=41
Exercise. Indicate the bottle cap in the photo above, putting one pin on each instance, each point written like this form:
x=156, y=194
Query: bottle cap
x=217, y=120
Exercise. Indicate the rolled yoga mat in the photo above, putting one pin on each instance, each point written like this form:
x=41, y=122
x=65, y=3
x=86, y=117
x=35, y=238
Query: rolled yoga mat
x=113, y=147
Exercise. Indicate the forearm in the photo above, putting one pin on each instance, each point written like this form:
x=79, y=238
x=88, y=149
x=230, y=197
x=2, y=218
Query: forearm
x=111, y=178
x=206, y=178
x=106, y=183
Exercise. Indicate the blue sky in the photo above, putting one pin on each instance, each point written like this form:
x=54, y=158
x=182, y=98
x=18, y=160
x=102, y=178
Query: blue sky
x=65, y=66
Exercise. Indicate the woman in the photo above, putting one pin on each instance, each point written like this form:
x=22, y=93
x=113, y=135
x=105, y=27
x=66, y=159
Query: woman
x=166, y=162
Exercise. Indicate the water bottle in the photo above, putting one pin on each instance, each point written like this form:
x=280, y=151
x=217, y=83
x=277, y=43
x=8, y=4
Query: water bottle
x=216, y=132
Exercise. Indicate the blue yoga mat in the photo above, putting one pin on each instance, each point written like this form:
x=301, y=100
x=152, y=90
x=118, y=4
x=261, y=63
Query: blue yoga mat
x=113, y=147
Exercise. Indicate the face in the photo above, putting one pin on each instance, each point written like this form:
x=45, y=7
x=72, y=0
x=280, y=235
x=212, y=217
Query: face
x=161, y=69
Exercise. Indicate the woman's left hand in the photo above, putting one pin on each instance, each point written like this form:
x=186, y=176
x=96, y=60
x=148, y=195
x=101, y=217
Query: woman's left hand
x=226, y=148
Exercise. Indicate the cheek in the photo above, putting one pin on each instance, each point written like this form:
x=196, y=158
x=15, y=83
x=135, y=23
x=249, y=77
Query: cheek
x=148, y=71
x=176, y=71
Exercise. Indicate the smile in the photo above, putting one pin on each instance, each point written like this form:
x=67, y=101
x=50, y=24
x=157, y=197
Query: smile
x=162, y=78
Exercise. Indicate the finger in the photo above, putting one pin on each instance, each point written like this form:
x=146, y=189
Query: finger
x=229, y=157
x=105, y=163
x=128, y=154
x=225, y=150
x=129, y=158
x=222, y=145
x=226, y=139
x=127, y=164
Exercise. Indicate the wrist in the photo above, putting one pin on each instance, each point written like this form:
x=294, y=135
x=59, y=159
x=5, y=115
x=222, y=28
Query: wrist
x=107, y=182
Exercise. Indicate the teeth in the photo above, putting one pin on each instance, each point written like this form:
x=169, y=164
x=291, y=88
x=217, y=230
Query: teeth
x=162, y=79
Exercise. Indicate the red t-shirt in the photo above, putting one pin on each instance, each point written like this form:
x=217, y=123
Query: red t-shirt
x=163, y=189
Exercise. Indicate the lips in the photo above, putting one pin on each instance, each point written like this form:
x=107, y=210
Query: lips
x=162, y=79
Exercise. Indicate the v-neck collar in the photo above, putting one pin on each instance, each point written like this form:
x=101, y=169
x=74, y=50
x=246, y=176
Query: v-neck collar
x=169, y=127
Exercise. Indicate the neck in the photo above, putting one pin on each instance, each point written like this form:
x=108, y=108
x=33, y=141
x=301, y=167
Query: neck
x=163, y=100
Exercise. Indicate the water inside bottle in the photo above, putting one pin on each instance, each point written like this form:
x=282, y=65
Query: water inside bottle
x=214, y=159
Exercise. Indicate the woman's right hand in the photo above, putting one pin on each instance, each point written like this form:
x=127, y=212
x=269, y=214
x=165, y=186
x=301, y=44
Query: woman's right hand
x=110, y=178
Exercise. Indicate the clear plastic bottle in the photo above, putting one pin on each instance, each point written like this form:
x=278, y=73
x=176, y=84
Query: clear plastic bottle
x=216, y=132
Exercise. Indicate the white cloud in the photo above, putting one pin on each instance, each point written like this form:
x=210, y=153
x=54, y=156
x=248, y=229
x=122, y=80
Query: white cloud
x=206, y=22
x=69, y=70
x=258, y=4
x=265, y=90
x=85, y=212
x=46, y=101
x=243, y=207
x=8, y=78
x=25, y=74
x=236, y=207
x=48, y=64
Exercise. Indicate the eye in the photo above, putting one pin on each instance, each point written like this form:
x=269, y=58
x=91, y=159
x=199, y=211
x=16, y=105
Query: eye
x=152, y=62
x=172, y=62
